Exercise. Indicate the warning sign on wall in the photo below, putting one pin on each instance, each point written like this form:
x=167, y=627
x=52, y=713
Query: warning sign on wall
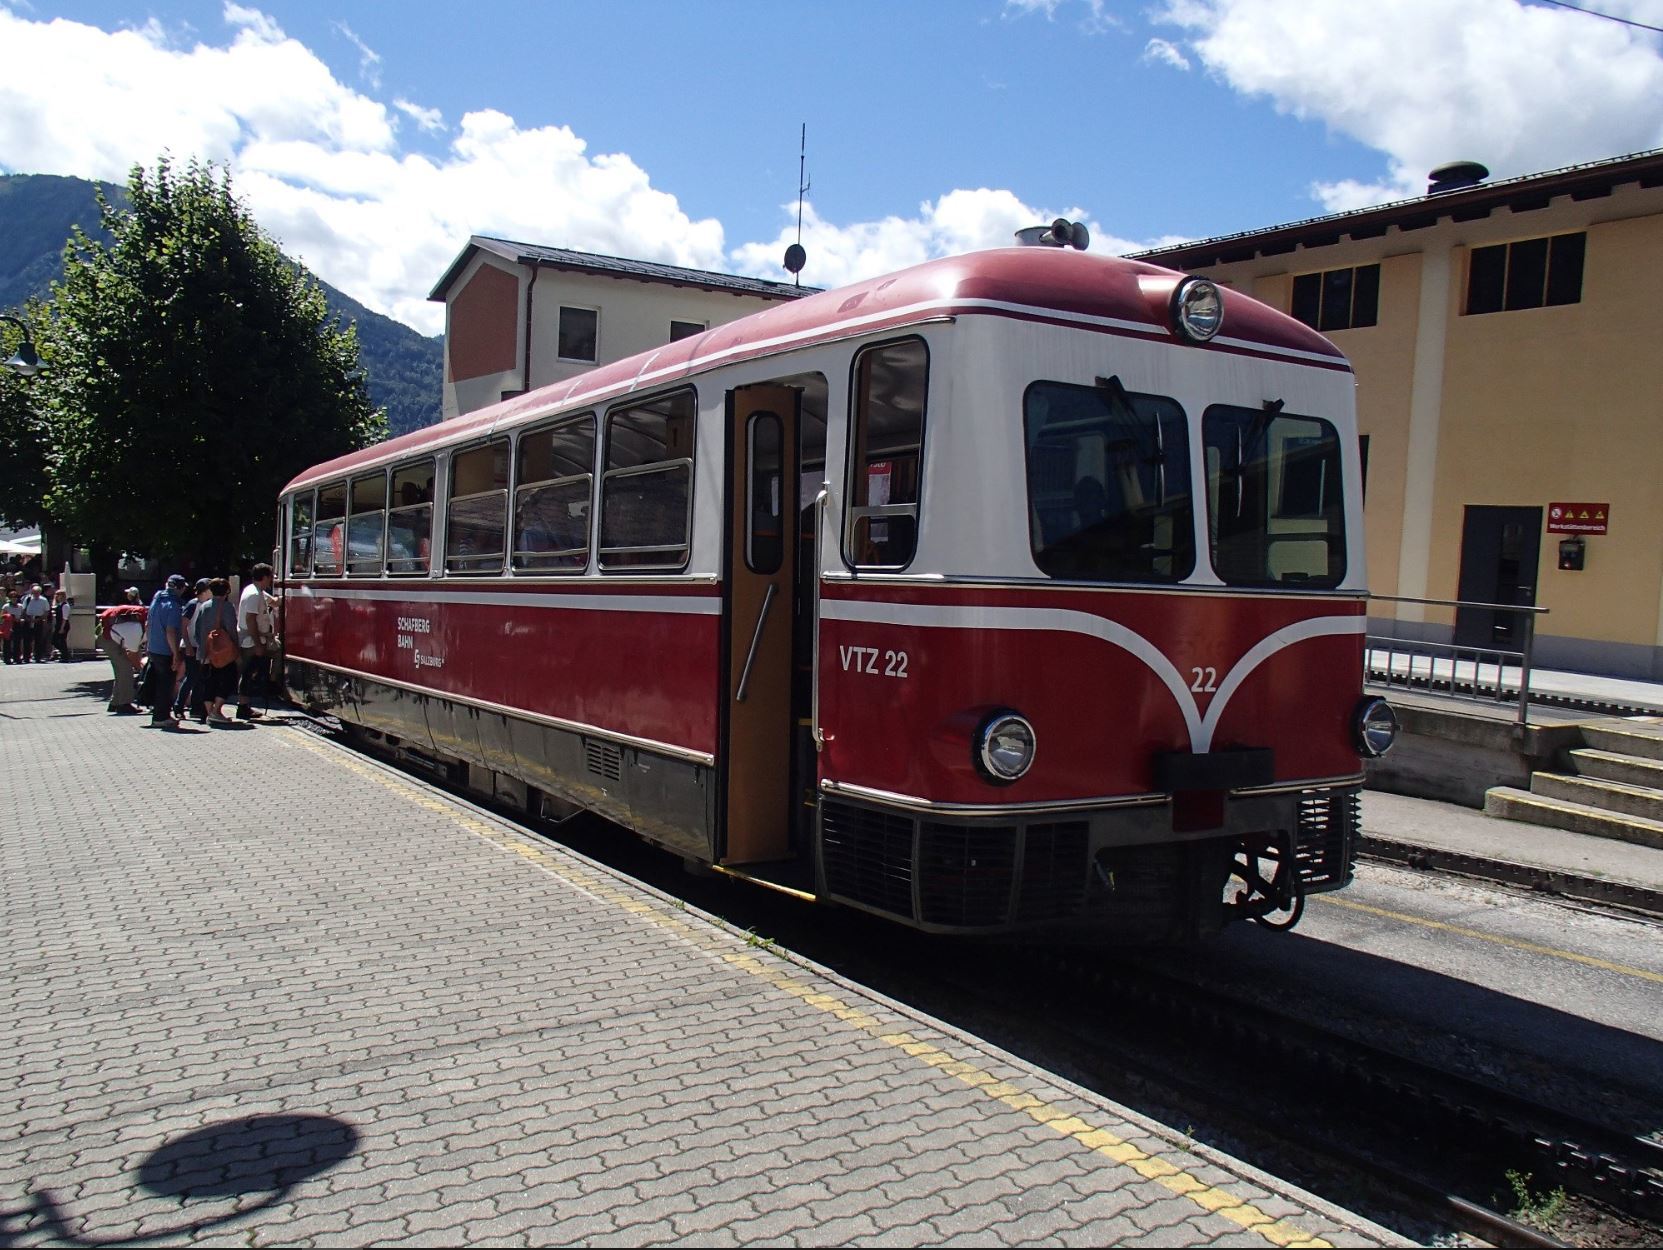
x=1578, y=518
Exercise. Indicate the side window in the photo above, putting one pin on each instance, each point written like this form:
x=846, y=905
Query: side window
x=410, y=519
x=765, y=493
x=329, y=530
x=300, y=534
x=366, y=528
x=886, y=459
x=647, y=484
x=1108, y=483
x=1276, y=498
x=579, y=334
x=477, y=520
x=553, y=482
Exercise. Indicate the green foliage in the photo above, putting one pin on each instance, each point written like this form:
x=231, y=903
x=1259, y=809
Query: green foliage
x=22, y=438
x=38, y=212
x=1538, y=1209
x=193, y=371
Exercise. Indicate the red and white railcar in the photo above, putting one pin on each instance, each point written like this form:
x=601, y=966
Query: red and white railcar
x=1019, y=590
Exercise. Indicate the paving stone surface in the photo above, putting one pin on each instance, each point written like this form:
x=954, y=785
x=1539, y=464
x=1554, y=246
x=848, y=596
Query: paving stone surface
x=258, y=991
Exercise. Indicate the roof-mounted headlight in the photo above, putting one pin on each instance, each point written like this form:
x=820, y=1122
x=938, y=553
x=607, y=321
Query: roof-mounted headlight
x=1005, y=747
x=1374, y=725
x=1197, y=309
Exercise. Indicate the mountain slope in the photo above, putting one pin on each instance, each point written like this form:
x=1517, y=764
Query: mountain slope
x=404, y=370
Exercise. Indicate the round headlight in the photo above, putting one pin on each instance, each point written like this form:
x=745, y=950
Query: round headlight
x=1197, y=309
x=1375, y=727
x=1005, y=747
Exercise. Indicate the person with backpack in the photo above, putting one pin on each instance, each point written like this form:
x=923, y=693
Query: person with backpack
x=214, y=630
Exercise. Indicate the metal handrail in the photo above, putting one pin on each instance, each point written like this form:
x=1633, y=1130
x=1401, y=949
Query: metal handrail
x=1452, y=653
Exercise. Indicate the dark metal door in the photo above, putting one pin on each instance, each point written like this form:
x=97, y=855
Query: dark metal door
x=1500, y=551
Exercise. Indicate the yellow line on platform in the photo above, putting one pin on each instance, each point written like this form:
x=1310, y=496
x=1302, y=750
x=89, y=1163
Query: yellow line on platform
x=1535, y=948
x=716, y=941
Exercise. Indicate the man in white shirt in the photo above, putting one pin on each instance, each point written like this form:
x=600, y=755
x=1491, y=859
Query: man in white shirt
x=256, y=635
x=37, y=635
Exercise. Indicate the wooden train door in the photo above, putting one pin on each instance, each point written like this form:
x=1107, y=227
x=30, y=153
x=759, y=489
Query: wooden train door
x=759, y=603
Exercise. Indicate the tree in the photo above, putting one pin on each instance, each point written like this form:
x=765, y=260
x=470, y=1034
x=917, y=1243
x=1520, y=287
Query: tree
x=192, y=371
x=23, y=482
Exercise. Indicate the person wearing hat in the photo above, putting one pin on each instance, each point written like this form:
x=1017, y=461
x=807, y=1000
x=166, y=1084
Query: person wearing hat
x=165, y=638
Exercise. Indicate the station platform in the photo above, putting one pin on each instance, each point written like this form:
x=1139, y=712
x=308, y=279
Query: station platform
x=264, y=991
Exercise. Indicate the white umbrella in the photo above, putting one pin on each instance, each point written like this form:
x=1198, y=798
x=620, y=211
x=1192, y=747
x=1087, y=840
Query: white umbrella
x=8, y=548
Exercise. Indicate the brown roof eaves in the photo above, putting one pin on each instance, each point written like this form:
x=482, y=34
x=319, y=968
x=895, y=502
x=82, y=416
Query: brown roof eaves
x=1589, y=181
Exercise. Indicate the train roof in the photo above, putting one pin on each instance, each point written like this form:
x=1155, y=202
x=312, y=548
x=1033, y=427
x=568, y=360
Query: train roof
x=1056, y=286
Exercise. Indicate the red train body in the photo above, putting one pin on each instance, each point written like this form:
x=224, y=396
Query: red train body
x=1016, y=591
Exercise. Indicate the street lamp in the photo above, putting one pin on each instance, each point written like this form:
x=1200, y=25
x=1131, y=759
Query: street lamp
x=25, y=361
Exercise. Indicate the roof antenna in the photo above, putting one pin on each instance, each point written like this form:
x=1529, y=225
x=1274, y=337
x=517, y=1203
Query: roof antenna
x=795, y=256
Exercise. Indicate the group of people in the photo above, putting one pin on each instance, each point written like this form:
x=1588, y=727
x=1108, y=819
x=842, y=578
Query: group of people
x=34, y=625
x=197, y=650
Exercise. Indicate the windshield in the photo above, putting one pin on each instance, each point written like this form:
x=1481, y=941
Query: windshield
x=1108, y=483
x=1275, y=499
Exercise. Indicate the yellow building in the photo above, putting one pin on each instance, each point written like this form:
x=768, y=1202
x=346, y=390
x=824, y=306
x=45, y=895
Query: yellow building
x=1506, y=341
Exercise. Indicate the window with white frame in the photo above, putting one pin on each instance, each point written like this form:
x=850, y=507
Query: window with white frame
x=579, y=333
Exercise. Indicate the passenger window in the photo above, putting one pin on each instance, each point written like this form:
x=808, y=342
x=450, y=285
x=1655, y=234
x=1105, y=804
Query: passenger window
x=891, y=383
x=410, y=519
x=764, y=494
x=1275, y=497
x=366, y=528
x=329, y=530
x=300, y=534
x=477, y=519
x=1108, y=483
x=647, y=486
x=554, y=480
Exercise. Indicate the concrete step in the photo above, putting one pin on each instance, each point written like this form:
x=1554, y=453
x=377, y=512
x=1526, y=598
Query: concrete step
x=1613, y=796
x=1647, y=743
x=1536, y=809
x=1610, y=766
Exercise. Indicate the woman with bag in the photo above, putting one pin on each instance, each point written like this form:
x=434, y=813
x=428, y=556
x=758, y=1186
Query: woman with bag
x=214, y=630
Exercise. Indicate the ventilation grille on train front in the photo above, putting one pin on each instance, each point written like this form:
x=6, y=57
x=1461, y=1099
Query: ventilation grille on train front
x=867, y=856
x=1329, y=821
x=604, y=759
x=965, y=873
x=1053, y=870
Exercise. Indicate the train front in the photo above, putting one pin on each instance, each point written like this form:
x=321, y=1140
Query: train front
x=1115, y=691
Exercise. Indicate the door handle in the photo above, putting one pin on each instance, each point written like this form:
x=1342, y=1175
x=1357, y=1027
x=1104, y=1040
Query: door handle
x=756, y=637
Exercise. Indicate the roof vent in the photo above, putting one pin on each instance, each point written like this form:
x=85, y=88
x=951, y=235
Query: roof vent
x=1060, y=233
x=1455, y=176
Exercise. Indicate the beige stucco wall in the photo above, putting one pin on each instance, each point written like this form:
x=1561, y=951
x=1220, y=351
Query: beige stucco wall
x=1564, y=403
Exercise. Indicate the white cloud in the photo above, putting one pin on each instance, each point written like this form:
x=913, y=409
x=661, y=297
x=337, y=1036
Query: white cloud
x=1164, y=52
x=959, y=221
x=430, y=120
x=321, y=166
x=369, y=60
x=1521, y=88
x=1095, y=20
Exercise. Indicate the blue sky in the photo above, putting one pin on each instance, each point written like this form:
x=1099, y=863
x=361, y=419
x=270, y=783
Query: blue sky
x=371, y=139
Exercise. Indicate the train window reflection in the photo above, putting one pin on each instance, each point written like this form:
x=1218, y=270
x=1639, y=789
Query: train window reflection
x=1275, y=498
x=300, y=534
x=764, y=494
x=891, y=383
x=329, y=530
x=476, y=522
x=410, y=519
x=551, y=498
x=1108, y=483
x=366, y=528
x=647, y=487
